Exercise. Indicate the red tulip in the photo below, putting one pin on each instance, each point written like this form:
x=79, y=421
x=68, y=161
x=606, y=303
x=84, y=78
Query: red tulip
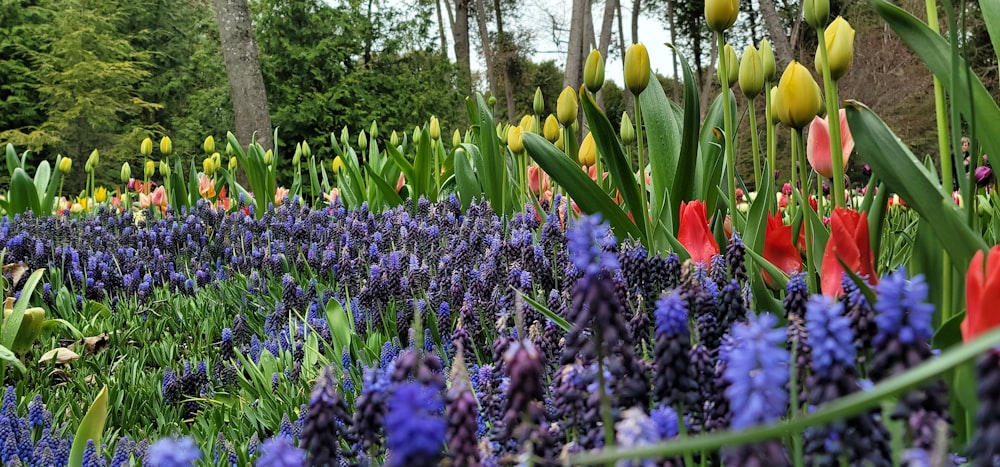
x=779, y=249
x=849, y=242
x=818, y=144
x=694, y=233
x=982, y=293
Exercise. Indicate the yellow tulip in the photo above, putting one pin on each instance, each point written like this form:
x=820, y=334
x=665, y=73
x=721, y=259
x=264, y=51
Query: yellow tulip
x=514, y=140
x=232, y=164
x=126, y=173
x=839, y=37
x=435, y=129
x=101, y=194
x=164, y=169
x=28, y=331
x=538, y=103
x=527, y=124
x=166, y=146
x=337, y=165
x=588, y=151
x=65, y=164
x=567, y=106
x=816, y=12
x=774, y=105
x=551, y=129
x=751, y=73
x=636, y=68
x=732, y=67
x=627, y=131
x=268, y=157
x=208, y=166
x=593, y=71
x=767, y=61
x=209, y=145
x=721, y=14
x=799, y=98
x=149, y=169
x=146, y=147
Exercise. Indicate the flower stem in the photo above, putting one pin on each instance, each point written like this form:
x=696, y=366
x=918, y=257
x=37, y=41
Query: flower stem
x=606, y=418
x=643, y=202
x=755, y=145
x=947, y=159
x=833, y=116
x=800, y=146
x=727, y=127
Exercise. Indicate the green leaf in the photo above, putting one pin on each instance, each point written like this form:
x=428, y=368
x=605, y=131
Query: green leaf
x=49, y=196
x=392, y=198
x=423, y=167
x=12, y=324
x=42, y=175
x=712, y=159
x=614, y=157
x=901, y=172
x=465, y=176
x=545, y=311
x=663, y=134
x=491, y=170
x=839, y=409
x=12, y=161
x=404, y=165
x=340, y=326
x=91, y=427
x=588, y=196
x=8, y=356
x=991, y=15
x=687, y=161
x=22, y=195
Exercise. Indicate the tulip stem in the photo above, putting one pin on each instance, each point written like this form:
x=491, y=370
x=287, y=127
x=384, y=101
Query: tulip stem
x=643, y=202
x=794, y=180
x=754, y=145
x=799, y=144
x=727, y=126
x=833, y=118
x=771, y=148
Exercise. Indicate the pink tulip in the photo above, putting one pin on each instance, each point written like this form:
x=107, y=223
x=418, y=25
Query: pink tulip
x=538, y=180
x=206, y=187
x=159, y=197
x=279, y=195
x=818, y=144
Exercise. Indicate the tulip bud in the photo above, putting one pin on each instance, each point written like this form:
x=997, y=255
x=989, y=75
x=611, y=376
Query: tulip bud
x=732, y=68
x=799, y=97
x=268, y=157
x=27, y=333
x=149, y=169
x=362, y=140
x=307, y=151
x=394, y=138
x=839, y=37
x=166, y=146
x=146, y=147
x=345, y=136
x=209, y=145
x=208, y=166
x=560, y=142
x=337, y=165
x=527, y=124
x=416, y=134
x=297, y=156
x=551, y=128
x=636, y=68
x=721, y=14
x=627, y=131
x=751, y=73
x=588, y=150
x=767, y=61
x=435, y=130
x=491, y=101
x=502, y=132
x=567, y=107
x=816, y=12
x=538, y=105
x=126, y=173
x=164, y=169
x=216, y=161
x=65, y=164
x=373, y=130
x=774, y=105
x=95, y=158
x=593, y=71
x=229, y=149
x=233, y=163
x=456, y=139
x=514, y=140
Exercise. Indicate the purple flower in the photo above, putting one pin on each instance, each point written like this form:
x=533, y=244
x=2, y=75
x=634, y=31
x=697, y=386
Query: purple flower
x=173, y=452
x=830, y=335
x=672, y=315
x=414, y=427
x=757, y=371
x=588, y=239
x=902, y=309
x=279, y=452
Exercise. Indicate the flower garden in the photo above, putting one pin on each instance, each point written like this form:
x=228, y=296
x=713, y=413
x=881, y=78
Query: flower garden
x=484, y=301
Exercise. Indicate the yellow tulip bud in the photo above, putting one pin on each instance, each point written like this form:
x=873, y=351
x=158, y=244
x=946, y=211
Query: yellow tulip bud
x=94, y=159
x=268, y=157
x=627, y=131
x=229, y=149
x=767, y=61
x=774, y=105
x=337, y=165
x=166, y=146
x=209, y=145
x=551, y=128
x=816, y=12
x=799, y=97
x=149, y=169
x=164, y=169
x=126, y=173
x=588, y=150
x=65, y=164
x=216, y=161
x=416, y=134
x=636, y=68
x=527, y=124
x=27, y=333
x=567, y=106
x=146, y=147
x=208, y=166
x=362, y=140
x=502, y=132
x=560, y=142
x=839, y=37
x=721, y=14
x=233, y=163
x=435, y=129
x=732, y=68
x=514, y=140
x=394, y=138
x=372, y=130
x=751, y=73
x=593, y=71
x=538, y=103
x=456, y=138
x=101, y=194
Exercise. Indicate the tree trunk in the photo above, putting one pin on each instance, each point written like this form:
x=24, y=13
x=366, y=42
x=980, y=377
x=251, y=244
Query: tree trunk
x=708, y=79
x=626, y=94
x=444, y=39
x=504, y=54
x=573, y=76
x=776, y=32
x=636, y=5
x=484, y=35
x=243, y=70
x=607, y=22
x=460, y=36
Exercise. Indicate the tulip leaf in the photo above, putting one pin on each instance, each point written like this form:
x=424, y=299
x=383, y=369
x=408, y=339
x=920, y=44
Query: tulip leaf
x=8, y=356
x=465, y=176
x=588, y=196
x=755, y=238
x=422, y=166
x=491, y=167
x=662, y=131
x=777, y=274
x=404, y=165
x=388, y=192
x=91, y=427
x=613, y=155
x=927, y=259
x=49, y=196
x=12, y=324
x=12, y=161
x=683, y=188
x=42, y=175
x=991, y=15
x=901, y=172
x=712, y=161
x=22, y=195
x=545, y=311
x=979, y=106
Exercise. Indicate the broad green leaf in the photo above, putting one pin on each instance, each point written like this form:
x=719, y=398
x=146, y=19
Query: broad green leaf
x=22, y=195
x=491, y=171
x=991, y=15
x=8, y=356
x=12, y=324
x=662, y=130
x=614, y=159
x=42, y=175
x=12, y=161
x=49, y=196
x=712, y=159
x=588, y=196
x=340, y=325
x=465, y=176
x=901, y=172
x=392, y=198
x=404, y=165
x=91, y=427
x=683, y=188
x=423, y=167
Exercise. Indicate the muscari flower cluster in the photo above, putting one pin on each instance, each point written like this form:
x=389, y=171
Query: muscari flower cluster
x=464, y=267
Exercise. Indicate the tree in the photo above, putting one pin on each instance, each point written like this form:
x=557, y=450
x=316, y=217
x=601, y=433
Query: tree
x=243, y=70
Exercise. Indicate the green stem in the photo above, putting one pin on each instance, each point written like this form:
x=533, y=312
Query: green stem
x=727, y=126
x=793, y=392
x=791, y=199
x=754, y=145
x=800, y=148
x=606, y=418
x=771, y=140
x=643, y=202
x=833, y=117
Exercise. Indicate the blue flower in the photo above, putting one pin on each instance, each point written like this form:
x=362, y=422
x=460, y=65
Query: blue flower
x=830, y=335
x=587, y=240
x=414, y=427
x=279, y=452
x=902, y=309
x=173, y=452
x=672, y=315
x=757, y=371
x=666, y=421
